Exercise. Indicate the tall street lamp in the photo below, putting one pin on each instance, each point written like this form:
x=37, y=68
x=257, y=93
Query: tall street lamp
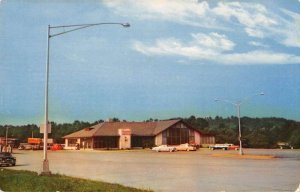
x=238, y=107
x=67, y=29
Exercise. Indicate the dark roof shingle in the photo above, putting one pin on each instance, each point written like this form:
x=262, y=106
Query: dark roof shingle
x=137, y=128
x=86, y=132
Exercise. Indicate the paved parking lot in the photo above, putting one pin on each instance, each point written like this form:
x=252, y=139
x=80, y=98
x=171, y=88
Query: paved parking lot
x=177, y=171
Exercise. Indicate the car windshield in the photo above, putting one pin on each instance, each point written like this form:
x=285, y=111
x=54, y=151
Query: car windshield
x=4, y=154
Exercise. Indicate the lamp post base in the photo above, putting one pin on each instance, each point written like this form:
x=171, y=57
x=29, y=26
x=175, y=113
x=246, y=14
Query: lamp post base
x=46, y=170
x=241, y=152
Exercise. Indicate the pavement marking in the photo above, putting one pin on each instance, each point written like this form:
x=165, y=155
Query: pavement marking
x=260, y=157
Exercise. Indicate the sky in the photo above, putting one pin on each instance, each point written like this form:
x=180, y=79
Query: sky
x=174, y=60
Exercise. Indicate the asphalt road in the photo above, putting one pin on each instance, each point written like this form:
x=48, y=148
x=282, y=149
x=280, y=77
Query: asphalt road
x=176, y=171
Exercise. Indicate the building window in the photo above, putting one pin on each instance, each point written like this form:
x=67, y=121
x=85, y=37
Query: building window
x=192, y=137
x=142, y=141
x=177, y=136
x=106, y=142
x=72, y=142
x=164, y=138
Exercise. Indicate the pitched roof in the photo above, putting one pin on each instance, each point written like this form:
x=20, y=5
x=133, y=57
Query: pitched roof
x=86, y=132
x=137, y=128
x=163, y=125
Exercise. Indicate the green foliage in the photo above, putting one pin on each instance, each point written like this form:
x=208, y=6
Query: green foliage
x=20, y=132
x=199, y=122
x=57, y=130
x=295, y=138
x=12, y=180
x=256, y=132
x=258, y=139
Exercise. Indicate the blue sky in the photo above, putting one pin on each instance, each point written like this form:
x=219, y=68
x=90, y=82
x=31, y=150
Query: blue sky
x=174, y=60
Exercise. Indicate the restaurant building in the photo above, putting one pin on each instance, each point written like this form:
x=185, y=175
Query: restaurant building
x=127, y=135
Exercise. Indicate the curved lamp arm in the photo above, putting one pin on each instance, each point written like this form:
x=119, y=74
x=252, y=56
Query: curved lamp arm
x=81, y=26
x=251, y=96
x=226, y=101
x=242, y=101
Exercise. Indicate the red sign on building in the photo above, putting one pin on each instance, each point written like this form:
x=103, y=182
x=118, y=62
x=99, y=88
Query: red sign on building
x=124, y=131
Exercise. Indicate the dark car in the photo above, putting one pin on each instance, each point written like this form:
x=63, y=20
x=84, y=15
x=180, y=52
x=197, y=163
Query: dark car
x=7, y=159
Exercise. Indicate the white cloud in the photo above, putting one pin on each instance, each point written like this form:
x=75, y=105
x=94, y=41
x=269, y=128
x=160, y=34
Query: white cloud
x=255, y=19
x=254, y=32
x=291, y=40
x=290, y=30
x=162, y=9
x=247, y=14
x=207, y=48
x=202, y=46
x=213, y=40
x=189, y=12
x=259, y=22
x=173, y=47
x=258, y=44
x=259, y=57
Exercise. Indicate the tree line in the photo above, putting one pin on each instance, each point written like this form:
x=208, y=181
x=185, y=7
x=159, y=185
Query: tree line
x=256, y=132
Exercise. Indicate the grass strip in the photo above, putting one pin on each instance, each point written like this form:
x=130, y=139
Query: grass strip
x=15, y=180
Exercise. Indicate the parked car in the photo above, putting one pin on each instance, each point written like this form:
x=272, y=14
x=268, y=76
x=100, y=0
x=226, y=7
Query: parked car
x=285, y=145
x=27, y=146
x=7, y=159
x=225, y=146
x=24, y=146
x=55, y=147
x=218, y=146
x=185, y=147
x=164, y=148
x=233, y=147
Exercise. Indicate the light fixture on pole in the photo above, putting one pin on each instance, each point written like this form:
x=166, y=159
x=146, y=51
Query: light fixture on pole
x=67, y=29
x=238, y=108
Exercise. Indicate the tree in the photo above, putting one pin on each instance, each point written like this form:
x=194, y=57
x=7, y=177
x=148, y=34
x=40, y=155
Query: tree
x=295, y=139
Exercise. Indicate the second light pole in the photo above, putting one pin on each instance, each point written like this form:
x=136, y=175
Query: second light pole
x=238, y=108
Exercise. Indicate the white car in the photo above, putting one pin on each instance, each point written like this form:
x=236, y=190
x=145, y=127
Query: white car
x=185, y=147
x=225, y=146
x=164, y=148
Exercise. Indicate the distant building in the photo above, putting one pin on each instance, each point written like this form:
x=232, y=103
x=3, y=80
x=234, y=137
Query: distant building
x=126, y=135
x=10, y=141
